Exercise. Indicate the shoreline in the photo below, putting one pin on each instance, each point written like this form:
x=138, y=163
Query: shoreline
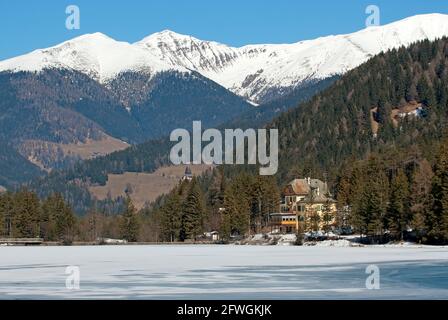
x=321, y=244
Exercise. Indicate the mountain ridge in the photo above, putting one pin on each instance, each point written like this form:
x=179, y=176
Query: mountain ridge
x=140, y=91
x=257, y=72
x=323, y=134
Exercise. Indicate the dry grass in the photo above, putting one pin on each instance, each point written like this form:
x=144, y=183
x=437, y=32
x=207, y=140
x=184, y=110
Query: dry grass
x=146, y=187
x=43, y=153
x=95, y=148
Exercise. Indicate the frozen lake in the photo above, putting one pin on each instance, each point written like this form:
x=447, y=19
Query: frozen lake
x=223, y=272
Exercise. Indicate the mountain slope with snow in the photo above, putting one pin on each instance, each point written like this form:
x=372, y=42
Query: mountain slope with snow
x=96, y=55
x=256, y=72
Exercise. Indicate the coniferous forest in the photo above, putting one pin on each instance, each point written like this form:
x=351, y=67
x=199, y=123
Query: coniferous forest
x=378, y=135
x=379, y=198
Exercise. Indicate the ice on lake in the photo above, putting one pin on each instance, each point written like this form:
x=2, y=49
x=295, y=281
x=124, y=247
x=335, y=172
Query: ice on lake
x=223, y=272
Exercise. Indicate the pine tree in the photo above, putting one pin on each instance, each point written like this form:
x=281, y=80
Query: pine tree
x=193, y=212
x=425, y=92
x=216, y=197
x=3, y=214
x=398, y=211
x=376, y=195
x=94, y=223
x=358, y=201
x=343, y=196
x=25, y=215
x=369, y=198
x=437, y=219
x=225, y=227
x=265, y=199
x=257, y=193
x=215, y=200
x=421, y=187
x=230, y=211
x=271, y=199
x=171, y=217
x=57, y=219
x=383, y=111
x=327, y=215
x=130, y=225
x=242, y=201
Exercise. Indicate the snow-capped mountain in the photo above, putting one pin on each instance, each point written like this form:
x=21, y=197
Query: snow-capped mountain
x=96, y=55
x=255, y=72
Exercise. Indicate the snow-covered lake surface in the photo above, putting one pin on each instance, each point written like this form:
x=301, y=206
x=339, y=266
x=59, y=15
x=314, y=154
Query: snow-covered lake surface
x=223, y=272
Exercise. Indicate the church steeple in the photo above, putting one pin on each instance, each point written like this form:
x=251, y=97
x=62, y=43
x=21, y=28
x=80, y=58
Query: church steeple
x=187, y=175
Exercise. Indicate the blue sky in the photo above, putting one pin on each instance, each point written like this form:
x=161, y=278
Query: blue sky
x=27, y=25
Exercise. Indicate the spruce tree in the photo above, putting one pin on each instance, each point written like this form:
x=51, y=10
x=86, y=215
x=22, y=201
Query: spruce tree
x=242, y=187
x=130, y=225
x=193, y=212
x=327, y=215
x=215, y=199
x=171, y=217
x=420, y=189
x=425, y=92
x=225, y=227
x=398, y=211
x=271, y=199
x=376, y=195
x=369, y=198
x=2, y=216
x=437, y=219
x=57, y=219
x=358, y=201
x=242, y=195
x=264, y=197
x=343, y=197
x=383, y=111
x=227, y=216
x=94, y=224
x=26, y=215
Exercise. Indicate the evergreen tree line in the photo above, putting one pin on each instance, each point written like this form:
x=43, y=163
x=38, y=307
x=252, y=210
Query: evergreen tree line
x=234, y=207
x=23, y=215
x=395, y=195
x=398, y=196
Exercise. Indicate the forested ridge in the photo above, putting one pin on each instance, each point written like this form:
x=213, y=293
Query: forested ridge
x=392, y=178
x=15, y=167
x=381, y=198
x=73, y=183
x=67, y=107
x=335, y=126
x=391, y=182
